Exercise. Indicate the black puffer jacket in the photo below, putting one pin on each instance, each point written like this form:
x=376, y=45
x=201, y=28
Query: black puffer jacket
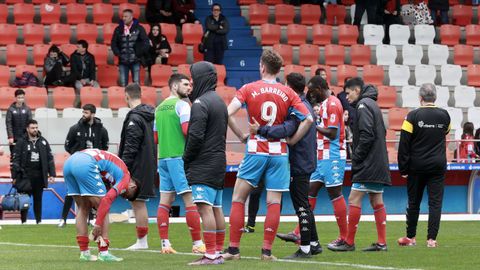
x=16, y=120
x=81, y=132
x=215, y=34
x=204, y=156
x=369, y=149
x=129, y=48
x=137, y=148
x=83, y=66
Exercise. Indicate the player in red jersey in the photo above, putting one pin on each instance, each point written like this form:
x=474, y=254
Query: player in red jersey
x=269, y=103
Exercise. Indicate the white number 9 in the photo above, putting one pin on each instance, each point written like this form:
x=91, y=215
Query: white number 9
x=269, y=112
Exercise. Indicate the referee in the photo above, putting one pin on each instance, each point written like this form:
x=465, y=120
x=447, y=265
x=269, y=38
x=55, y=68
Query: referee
x=422, y=160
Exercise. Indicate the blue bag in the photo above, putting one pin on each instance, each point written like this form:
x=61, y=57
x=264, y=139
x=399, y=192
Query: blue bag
x=14, y=201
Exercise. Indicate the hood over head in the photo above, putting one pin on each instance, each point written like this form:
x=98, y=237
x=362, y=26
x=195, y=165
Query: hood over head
x=204, y=76
x=368, y=91
x=144, y=110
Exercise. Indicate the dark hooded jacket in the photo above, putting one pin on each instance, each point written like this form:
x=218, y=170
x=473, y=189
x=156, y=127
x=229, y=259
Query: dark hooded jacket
x=16, y=120
x=204, y=156
x=137, y=148
x=130, y=48
x=369, y=150
x=80, y=133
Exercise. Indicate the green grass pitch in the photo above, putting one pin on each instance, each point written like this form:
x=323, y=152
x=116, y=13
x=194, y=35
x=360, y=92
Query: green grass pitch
x=48, y=247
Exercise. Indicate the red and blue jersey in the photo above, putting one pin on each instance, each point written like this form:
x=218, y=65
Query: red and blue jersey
x=331, y=113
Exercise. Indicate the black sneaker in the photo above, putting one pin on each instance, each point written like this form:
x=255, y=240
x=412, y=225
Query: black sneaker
x=343, y=247
x=288, y=237
x=315, y=250
x=249, y=229
x=299, y=254
x=376, y=247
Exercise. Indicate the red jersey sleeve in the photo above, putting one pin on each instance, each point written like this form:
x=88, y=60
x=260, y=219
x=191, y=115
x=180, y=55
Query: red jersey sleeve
x=241, y=94
x=107, y=201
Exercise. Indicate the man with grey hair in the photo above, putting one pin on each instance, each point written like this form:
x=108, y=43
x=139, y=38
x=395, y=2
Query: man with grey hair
x=422, y=160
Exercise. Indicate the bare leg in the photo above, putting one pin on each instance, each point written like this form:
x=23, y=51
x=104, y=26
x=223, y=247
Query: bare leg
x=141, y=217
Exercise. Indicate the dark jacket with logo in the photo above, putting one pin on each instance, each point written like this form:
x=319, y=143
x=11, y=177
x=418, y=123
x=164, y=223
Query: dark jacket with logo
x=137, y=148
x=129, y=48
x=303, y=155
x=422, y=141
x=16, y=120
x=81, y=132
x=215, y=34
x=22, y=155
x=83, y=66
x=369, y=149
x=204, y=157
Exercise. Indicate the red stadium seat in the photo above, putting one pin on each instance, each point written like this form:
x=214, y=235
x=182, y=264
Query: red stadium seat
x=473, y=75
x=68, y=49
x=450, y=34
x=5, y=166
x=60, y=33
x=336, y=14
x=270, y=34
x=36, y=97
x=273, y=2
x=23, y=13
x=4, y=79
x=462, y=15
x=360, y=54
x=87, y=32
x=39, y=53
x=149, y=95
x=33, y=34
x=21, y=68
x=334, y=54
x=345, y=71
x=107, y=75
x=178, y=55
x=7, y=93
x=134, y=7
x=391, y=136
x=396, y=117
x=322, y=34
x=160, y=75
x=63, y=97
x=184, y=69
x=3, y=13
x=309, y=54
x=91, y=95
x=314, y=68
x=108, y=30
x=258, y=14
x=197, y=55
x=463, y=55
x=50, y=13
x=373, y=74
x=472, y=33
x=147, y=27
x=347, y=34
x=221, y=74
x=226, y=93
x=284, y=14
x=102, y=13
x=192, y=33
x=116, y=97
x=296, y=34
x=60, y=159
x=387, y=96
x=310, y=14
x=164, y=93
x=293, y=68
x=76, y=13
x=16, y=54
x=100, y=51
x=285, y=51
x=170, y=31
x=8, y=34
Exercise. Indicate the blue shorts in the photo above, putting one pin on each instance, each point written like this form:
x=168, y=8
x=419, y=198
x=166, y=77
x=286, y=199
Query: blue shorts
x=274, y=170
x=82, y=176
x=330, y=172
x=172, y=176
x=208, y=195
x=368, y=187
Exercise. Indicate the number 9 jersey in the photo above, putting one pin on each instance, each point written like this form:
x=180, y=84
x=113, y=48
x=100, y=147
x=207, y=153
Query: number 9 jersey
x=270, y=103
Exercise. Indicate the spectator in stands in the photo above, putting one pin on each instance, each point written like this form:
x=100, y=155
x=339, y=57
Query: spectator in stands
x=83, y=68
x=18, y=115
x=391, y=15
x=159, y=11
x=437, y=6
x=466, y=152
x=216, y=36
x=366, y=5
x=33, y=167
x=54, y=64
x=159, y=47
x=129, y=43
x=477, y=144
x=183, y=10
x=342, y=96
x=322, y=73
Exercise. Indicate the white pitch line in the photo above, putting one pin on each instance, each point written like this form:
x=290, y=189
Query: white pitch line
x=359, y=266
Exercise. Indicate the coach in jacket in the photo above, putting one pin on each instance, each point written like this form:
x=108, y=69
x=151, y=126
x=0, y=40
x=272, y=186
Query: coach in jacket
x=18, y=115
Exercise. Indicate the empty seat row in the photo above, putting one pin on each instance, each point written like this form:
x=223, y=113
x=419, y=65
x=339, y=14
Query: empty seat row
x=399, y=75
x=464, y=96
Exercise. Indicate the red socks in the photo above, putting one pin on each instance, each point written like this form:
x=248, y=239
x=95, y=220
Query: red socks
x=104, y=248
x=381, y=222
x=340, y=210
x=220, y=239
x=210, y=239
x=163, y=213
x=141, y=232
x=193, y=222
x=82, y=242
x=313, y=202
x=237, y=220
x=354, y=213
x=271, y=225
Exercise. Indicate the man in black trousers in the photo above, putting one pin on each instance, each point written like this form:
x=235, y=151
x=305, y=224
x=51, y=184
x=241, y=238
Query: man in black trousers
x=33, y=167
x=422, y=160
